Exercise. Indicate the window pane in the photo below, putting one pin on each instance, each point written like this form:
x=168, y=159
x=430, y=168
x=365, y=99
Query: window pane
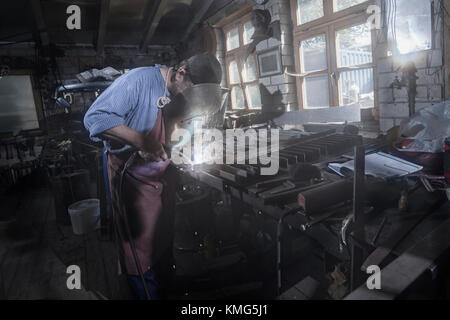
x=233, y=39
x=309, y=10
x=412, y=26
x=234, y=73
x=354, y=46
x=249, y=72
x=237, y=98
x=316, y=90
x=314, y=54
x=248, y=32
x=344, y=4
x=253, y=96
x=357, y=87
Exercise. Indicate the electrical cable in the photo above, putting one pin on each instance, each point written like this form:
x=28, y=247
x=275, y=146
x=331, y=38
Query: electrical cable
x=127, y=225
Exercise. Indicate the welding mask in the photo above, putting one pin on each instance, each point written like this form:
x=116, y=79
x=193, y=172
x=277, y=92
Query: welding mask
x=204, y=103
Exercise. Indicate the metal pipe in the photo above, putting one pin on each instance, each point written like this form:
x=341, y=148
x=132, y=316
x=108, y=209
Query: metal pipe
x=358, y=211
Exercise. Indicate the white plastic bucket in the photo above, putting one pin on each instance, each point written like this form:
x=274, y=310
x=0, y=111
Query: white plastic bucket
x=85, y=216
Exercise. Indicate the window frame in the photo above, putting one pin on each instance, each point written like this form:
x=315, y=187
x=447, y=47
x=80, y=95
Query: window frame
x=236, y=55
x=301, y=88
x=330, y=24
x=329, y=14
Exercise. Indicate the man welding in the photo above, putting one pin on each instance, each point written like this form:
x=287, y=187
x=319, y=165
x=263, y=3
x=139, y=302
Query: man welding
x=128, y=117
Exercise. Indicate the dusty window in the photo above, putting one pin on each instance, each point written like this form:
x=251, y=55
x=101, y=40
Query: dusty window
x=233, y=39
x=344, y=4
x=248, y=32
x=334, y=55
x=316, y=90
x=309, y=10
x=410, y=25
x=354, y=49
x=313, y=52
x=243, y=77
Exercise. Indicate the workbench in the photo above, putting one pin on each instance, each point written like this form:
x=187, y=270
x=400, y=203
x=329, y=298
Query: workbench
x=284, y=209
x=386, y=233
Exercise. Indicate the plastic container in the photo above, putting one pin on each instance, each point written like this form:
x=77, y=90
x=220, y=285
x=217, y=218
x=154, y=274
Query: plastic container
x=85, y=216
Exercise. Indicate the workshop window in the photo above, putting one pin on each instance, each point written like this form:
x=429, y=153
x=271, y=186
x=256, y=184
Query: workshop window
x=232, y=39
x=340, y=5
x=248, y=32
x=309, y=10
x=333, y=54
x=313, y=53
x=410, y=29
x=242, y=70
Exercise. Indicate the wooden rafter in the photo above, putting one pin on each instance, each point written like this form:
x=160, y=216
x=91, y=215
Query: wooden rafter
x=104, y=13
x=197, y=18
x=157, y=11
x=40, y=22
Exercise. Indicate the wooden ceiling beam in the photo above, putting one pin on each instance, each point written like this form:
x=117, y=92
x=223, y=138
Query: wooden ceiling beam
x=40, y=22
x=102, y=26
x=197, y=18
x=157, y=12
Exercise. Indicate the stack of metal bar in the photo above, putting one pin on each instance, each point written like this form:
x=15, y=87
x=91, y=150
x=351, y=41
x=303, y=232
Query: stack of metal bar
x=302, y=157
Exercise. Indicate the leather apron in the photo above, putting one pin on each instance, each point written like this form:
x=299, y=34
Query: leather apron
x=148, y=195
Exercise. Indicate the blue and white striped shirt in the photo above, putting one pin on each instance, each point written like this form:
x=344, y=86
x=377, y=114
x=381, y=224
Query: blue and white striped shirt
x=131, y=100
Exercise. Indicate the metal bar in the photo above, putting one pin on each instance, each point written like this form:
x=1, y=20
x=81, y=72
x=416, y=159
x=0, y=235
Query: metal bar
x=316, y=200
x=88, y=86
x=358, y=211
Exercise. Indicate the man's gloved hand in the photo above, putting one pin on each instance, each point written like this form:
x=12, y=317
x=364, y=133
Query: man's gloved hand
x=154, y=153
